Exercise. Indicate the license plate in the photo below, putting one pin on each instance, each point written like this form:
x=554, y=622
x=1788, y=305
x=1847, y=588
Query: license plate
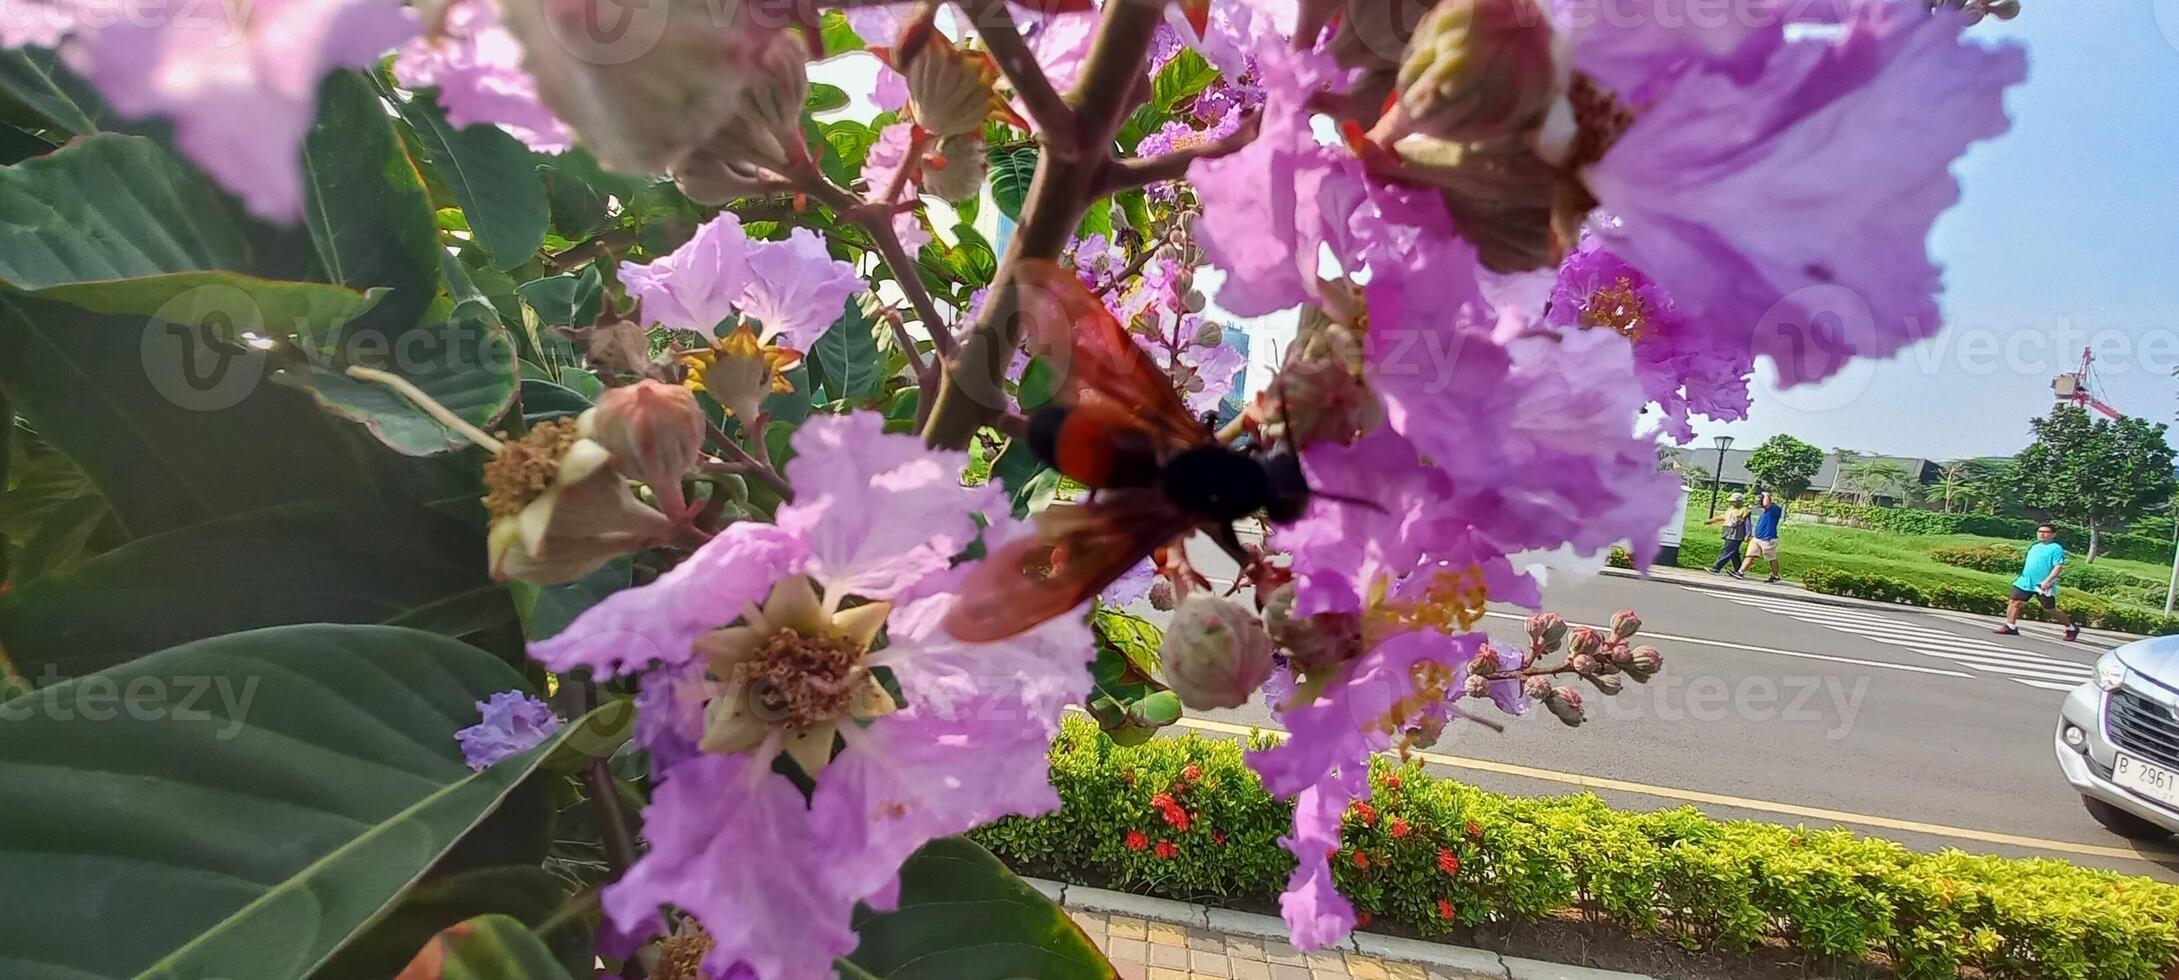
x=2152, y=781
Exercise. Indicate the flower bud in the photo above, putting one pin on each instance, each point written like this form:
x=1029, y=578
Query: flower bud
x=1646, y=660
x=1607, y=683
x=1586, y=643
x=1625, y=624
x=1210, y=335
x=559, y=508
x=760, y=136
x=1475, y=70
x=953, y=170
x=1538, y=688
x=1477, y=686
x=1565, y=705
x=1546, y=629
x=1216, y=653
x=1486, y=661
x=655, y=432
x=1161, y=595
x=950, y=88
x=1583, y=663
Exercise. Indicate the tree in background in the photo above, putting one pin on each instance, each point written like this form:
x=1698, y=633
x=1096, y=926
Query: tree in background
x=2098, y=473
x=1785, y=464
x=1873, y=478
x=1951, y=480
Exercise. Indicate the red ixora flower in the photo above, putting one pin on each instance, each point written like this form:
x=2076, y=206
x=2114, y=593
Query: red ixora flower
x=1166, y=850
x=1392, y=781
x=1174, y=814
x=1192, y=773
x=1361, y=920
x=1445, y=908
x=1137, y=840
x=1448, y=862
x=1399, y=828
x=1365, y=813
x=1361, y=860
x=1218, y=837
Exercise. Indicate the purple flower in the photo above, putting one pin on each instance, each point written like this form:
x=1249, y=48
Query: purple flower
x=1794, y=204
x=39, y=22
x=774, y=631
x=513, y=723
x=881, y=166
x=1131, y=586
x=697, y=286
x=1218, y=369
x=238, y=81
x=476, y=64
x=1264, y=208
x=1685, y=365
x=796, y=288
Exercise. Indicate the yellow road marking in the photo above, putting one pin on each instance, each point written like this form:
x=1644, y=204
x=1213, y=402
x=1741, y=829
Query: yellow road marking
x=1742, y=803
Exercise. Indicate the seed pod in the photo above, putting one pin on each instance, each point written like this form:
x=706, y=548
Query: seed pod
x=1216, y=654
x=655, y=432
x=1161, y=595
x=1475, y=70
x=953, y=170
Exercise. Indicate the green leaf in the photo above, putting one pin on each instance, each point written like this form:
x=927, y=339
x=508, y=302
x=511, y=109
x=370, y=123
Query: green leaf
x=1136, y=205
x=565, y=300
x=851, y=142
x=489, y=947
x=233, y=303
x=173, y=428
x=247, y=803
x=1016, y=466
x=825, y=98
x=1096, y=220
x=1035, y=389
x=515, y=897
x=326, y=562
x=542, y=400
x=1011, y=171
x=1156, y=711
x=555, y=606
x=371, y=222
x=60, y=540
x=847, y=356
x=791, y=407
x=578, y=209
x=492, y=175
x=110, y=207
x=36, y=90
x=17, y=145
x=964, y=916
x=839, y=35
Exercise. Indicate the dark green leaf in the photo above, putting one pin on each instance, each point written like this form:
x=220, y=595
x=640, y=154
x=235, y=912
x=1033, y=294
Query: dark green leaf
x=174, y=427
x=1035, y=388
x=17, y=145
x=579, y=210
x=793, y=406
x=247, y=803
x=110, y=207
x=825, y=98
x=491, y=174
x=963, y=916
x=328, y=562
x=36, y=90
x=542, y=400
x=1011, y=171
x=60, y=540
x=554, y=606
x=519, y=894
x=1016, y=466
x=847, y=356
x=566, y=299
x=467, y=366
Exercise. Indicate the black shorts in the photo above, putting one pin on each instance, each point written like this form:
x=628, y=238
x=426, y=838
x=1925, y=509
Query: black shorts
x=2025, y=595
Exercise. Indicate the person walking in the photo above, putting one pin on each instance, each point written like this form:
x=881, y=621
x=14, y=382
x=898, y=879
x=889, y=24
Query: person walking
x=1763, y=535
x=2039, y=580
x=1735, y=520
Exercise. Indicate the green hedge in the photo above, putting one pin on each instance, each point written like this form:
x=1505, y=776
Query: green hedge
x=2153, y=547
x=1184, y=817
x=2088, y=610
x=2106, y=582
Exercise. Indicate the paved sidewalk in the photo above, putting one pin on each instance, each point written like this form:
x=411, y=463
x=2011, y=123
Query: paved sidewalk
x=2100, y=639
x=1158, y=939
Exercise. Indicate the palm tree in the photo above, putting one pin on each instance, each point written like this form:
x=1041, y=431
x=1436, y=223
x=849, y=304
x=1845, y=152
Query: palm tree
x=1873, y=478
x=1952, y=476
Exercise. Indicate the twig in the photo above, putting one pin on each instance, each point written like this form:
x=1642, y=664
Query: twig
x=604, y=244
x=1139, y=171
x=995, y=24
x=1133, y=268
x=620, y=839
x=879, y=224
x=973, y=392
x=916, y=360
x=431, y=407
x=762, y=469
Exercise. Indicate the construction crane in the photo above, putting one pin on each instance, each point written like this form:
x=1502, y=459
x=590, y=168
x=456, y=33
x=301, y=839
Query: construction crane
x=2073, y=387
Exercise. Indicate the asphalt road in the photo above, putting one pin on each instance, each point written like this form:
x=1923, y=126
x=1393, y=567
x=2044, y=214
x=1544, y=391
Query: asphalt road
x=1894, y=722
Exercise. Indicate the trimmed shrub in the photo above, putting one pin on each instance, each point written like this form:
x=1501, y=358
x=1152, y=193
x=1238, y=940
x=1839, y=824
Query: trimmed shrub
x=1185, y=817
x=2088, y=610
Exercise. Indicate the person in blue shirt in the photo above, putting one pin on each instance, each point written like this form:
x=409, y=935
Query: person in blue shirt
x=2039, y=580
x=1763, y=539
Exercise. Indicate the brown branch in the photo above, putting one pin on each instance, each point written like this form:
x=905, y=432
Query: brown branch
x=752, y=464
x=974, y=390
x=604, y=244
x=878, y=223
x=1139, y=171
x=620, y=838
x=1133, y=268
x=995, y=24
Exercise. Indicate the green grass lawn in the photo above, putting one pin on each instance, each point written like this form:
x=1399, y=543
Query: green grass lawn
x=1804, y=546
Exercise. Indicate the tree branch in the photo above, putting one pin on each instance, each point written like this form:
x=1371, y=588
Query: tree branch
x=760, y=468
x=995, y=24
x=973, y=392
x=1139, y=171
x=620, y=838
x=878, y=223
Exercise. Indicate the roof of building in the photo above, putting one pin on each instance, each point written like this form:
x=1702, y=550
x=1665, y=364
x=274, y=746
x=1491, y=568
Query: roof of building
x=1704, y=461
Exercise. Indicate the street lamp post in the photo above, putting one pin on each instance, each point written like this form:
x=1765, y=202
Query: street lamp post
x=1717, y=474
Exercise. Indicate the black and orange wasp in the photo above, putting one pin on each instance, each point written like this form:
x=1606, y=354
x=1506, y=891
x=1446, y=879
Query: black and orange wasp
x=1157, y=471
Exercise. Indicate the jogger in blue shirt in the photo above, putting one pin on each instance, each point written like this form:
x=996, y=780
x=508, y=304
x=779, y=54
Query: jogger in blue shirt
x=2039, y=580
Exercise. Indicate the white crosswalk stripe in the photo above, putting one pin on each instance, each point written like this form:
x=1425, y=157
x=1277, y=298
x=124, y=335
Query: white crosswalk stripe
x=2018, y=666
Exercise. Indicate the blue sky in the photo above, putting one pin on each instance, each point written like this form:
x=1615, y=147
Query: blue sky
x=2067, y=233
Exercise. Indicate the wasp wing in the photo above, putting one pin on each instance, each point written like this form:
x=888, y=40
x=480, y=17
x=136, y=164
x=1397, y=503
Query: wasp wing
x=1103, y=364
x=1080, y=550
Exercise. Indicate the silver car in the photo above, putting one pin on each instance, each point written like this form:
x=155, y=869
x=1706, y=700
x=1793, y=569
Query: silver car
x=2118, y=739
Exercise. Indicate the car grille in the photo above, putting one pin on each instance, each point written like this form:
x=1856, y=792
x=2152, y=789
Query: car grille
x=2144, y=727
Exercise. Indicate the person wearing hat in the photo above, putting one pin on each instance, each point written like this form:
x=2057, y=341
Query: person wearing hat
x=1735, y=520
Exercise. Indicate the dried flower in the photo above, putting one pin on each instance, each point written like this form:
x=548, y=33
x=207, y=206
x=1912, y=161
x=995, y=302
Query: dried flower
x=558, y=507
x=655, y=432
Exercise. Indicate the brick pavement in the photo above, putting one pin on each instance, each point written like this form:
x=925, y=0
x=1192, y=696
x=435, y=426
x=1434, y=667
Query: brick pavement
x=1142, y=949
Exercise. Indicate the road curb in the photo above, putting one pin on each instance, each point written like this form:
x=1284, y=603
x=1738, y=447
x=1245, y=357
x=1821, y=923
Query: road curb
x=1723, y=583
x=1462, y=958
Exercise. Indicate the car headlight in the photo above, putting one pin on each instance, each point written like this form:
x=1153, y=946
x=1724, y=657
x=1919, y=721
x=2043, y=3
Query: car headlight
x=2110, y=673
